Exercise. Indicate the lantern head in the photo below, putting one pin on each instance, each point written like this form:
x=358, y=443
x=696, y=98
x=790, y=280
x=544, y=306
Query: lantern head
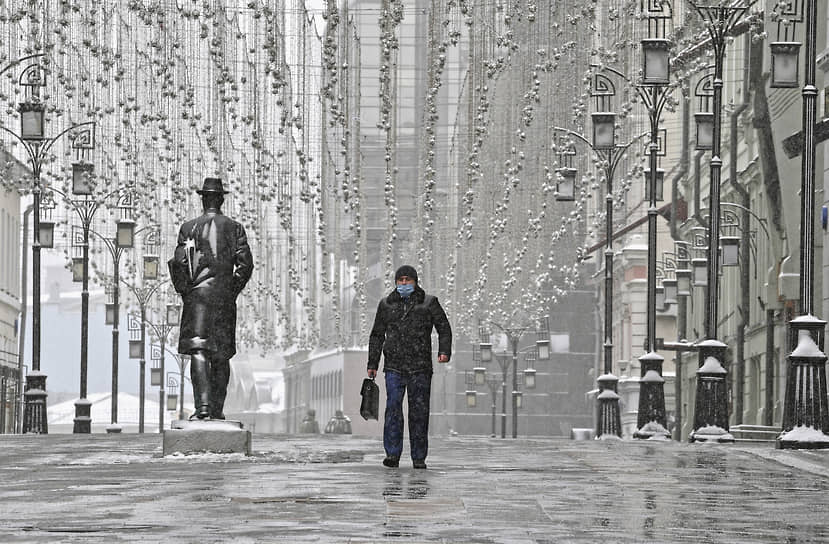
x=32, y=120
x=125, y=237
x=785, y=64
x=82, y=178
x=566, y=186
x=656, y=61
x=47, y=234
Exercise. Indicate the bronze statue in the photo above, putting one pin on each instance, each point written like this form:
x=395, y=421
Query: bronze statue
x=210, y=267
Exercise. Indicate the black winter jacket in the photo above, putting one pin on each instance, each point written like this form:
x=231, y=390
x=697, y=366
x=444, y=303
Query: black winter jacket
x=403, y=333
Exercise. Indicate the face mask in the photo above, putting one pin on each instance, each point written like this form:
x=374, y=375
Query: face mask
x=405, y=289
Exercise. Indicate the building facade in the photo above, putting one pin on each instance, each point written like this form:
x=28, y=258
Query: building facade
x=11, y=297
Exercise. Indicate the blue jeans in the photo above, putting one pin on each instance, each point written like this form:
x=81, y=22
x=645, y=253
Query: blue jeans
x=419, y=386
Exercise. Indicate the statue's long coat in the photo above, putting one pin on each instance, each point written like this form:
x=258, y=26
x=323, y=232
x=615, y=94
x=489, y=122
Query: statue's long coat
x=210, y=267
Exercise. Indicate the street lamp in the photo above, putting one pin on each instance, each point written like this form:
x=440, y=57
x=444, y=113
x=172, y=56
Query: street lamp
x=609, y=155
x=492, y=382
x=182, y=361
x=711, y=404
x=113, y=312
x=142, y=294
x=654, y=90
x=32, y=136
x=514, y=335
x=85, y=208
x=806, y=408
x=161, y=332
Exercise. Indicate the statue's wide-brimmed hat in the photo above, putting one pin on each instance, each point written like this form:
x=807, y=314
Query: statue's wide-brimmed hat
x=212, y=185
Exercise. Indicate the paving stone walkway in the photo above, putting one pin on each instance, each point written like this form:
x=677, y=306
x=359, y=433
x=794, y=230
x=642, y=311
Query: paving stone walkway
x=333, y=488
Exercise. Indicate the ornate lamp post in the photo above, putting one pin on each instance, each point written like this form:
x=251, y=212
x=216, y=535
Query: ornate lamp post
x=123, y=239
x=711, y=405
x=182, y=361
x=161, y=331
x=142, y=295
x=479, y=376
x=608, y=154
x=654, y=90
x=805, y=409
x=85, y=208
x=514, y=335
x=37, y=146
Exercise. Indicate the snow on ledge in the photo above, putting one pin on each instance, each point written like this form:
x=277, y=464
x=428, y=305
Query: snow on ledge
x=208, y=425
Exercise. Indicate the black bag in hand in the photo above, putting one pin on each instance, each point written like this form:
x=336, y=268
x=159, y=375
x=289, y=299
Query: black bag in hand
x=370, y=407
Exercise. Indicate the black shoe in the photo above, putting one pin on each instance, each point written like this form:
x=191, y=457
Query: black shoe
x=392, y=462
x=220, y=415
x=419, y=463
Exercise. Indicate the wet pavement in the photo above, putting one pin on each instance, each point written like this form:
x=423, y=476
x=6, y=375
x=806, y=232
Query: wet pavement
x=333, y=488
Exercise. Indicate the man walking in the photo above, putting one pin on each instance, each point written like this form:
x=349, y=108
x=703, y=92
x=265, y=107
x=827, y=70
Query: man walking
x=211, y=265
x=402, y=332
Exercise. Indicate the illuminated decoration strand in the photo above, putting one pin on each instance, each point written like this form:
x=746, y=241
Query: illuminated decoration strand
x=389, y=21
x=182, y=91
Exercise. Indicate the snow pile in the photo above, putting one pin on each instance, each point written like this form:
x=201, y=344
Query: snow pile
x=804, y=433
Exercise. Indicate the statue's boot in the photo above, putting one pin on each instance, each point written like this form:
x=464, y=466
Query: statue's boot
x=200, y=376
x=219, y=378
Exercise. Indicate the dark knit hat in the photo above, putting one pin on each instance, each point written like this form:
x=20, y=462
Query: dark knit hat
x=405, y=270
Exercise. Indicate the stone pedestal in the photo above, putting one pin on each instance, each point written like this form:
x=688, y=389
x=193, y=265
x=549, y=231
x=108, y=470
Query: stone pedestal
x=206, y=436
